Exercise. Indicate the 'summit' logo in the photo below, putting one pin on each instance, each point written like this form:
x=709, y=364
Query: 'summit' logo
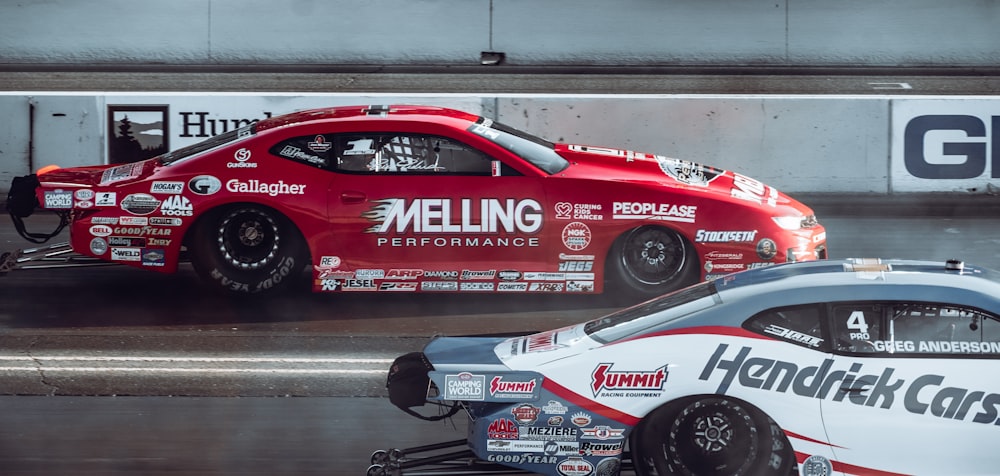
x=607, y=383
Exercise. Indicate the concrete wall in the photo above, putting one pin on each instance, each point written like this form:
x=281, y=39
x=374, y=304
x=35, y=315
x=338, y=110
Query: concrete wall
x=800, y=144
x=530, y=32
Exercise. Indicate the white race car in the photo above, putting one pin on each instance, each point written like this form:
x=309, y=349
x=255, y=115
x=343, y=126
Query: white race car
x=827, y=367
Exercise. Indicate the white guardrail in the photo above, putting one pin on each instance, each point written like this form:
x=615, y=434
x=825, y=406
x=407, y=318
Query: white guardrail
x=798, y=143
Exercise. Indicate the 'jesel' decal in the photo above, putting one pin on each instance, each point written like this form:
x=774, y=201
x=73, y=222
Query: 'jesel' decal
x=923, y=393
x=440, y=215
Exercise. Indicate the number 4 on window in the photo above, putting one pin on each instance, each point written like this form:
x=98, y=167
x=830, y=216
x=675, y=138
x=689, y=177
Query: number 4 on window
x=858, y=326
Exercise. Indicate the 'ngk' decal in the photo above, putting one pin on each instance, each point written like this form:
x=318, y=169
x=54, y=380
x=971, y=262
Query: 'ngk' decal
x=604, y=378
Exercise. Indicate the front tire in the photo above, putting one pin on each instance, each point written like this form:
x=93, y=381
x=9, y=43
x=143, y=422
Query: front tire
x=649, y=261
x=711, y=436
x=247, y=249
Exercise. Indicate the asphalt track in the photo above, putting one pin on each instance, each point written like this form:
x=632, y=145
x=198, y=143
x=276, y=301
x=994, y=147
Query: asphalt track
x=130, y=372
x=120, y=371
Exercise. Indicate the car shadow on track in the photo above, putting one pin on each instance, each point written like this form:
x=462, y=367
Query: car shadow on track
x=116, y=296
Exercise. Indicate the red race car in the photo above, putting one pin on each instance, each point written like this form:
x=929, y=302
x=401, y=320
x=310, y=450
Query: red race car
x=417, y=198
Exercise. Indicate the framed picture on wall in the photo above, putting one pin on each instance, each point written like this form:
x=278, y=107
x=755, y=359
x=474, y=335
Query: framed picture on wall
x=137, y=132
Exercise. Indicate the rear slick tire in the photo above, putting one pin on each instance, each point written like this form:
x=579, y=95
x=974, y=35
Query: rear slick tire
x=247, y=249
x=712, y=436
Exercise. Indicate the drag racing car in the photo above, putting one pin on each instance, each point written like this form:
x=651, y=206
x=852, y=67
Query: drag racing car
x=826, y=367
x=417, y=198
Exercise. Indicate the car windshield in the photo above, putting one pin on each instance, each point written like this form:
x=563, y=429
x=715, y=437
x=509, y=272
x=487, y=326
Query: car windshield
x=539, y=152
x=633, y=320
x=207, y=144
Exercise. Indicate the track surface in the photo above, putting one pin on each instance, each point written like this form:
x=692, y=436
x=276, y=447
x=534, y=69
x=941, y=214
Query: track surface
x=115, y=331
x=120, y=371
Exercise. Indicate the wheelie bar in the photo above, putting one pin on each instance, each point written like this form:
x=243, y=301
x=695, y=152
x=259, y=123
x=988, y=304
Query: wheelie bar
x=59, y=255
x=410, y=461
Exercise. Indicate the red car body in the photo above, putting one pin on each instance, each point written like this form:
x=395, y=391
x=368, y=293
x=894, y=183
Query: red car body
x=416, y=198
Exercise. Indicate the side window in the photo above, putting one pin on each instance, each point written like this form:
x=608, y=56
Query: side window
x=856, y=326
x=407, y=154
x=799, y=325
x=311, y=150
x=935, y=329
x=907, y=329
x=991, y=333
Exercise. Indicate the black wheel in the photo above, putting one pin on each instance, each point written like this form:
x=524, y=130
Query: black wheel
x=650, y=260
x=247, y=249
x=713, y=436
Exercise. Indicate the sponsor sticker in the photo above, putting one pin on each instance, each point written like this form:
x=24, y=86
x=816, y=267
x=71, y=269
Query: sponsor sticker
x=126, y=254
x=100, y=230
x=687, y=172
x=140, y=204
x=464, y=386
x=439, y=286
x=546, y=287
x=767, y=249
x=579, y=286
x=58, y=199
x=357, y=284
x=654, y=211
x=444, y=215
x=514, y=387
x=264, y=188
x=608, y=383
x=106, y=199
x=602, y=432
x=476, y=287
x=503, y=429
x=153, y=258
x=121, y=173
x=133, y=221
x=576, y=236
x=127, y=241
x=204, y=185
x=242, y=158
x=507, y=286
x=166, y=187
x=525, y=413
x=319, y=144
x=740, y=236
x=98, y=246
x=575, y=466
x=369, y=273
x=177, y=205
x=752, y=190
x=165, y=221
x=468, y=274
x=578, y=211
x=398, y=286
